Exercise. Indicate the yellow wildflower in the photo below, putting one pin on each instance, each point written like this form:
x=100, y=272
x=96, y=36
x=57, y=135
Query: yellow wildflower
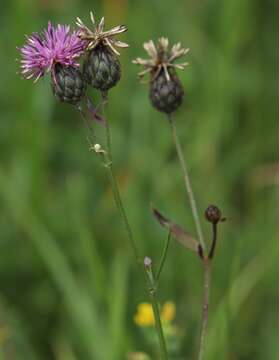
x=144, y=315
x=168, y=311
x=138, y=356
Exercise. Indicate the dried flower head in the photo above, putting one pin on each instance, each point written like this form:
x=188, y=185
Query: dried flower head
x=97, y=36
x=43, y=51
x=101, y=68
x=166, y=92
x=161, y=58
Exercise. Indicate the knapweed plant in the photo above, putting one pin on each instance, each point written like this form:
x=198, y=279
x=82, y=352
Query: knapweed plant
x=88, y=57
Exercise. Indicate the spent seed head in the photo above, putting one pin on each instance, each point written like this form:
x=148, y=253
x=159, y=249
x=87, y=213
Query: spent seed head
x=97, y=36
x=161, y=58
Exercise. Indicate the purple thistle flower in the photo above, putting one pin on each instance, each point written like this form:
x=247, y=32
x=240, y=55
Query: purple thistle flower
x=53, y=46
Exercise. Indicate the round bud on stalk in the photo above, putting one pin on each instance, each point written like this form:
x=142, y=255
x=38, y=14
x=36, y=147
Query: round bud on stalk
x=166, y=91
x=213, y=214
x=101, y=68
x=68, y=84
x=166, y=95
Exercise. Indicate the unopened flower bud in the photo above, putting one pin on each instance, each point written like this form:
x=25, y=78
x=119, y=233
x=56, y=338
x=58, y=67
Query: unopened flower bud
x=102, y=68
x=68, y=84
x=213, y=214
x=166, y=95
x=166, y=91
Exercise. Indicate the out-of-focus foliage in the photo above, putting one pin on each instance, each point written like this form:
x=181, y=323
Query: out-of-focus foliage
x=69, y=286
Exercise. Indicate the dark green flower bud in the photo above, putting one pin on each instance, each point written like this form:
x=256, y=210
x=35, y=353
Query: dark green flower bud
x=166, y=95
x=68, y=84
x=102, y=68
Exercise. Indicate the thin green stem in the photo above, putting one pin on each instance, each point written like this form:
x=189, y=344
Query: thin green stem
x=163, y=257
x=187, y=182
x=117, y=196
x=156, y=312
x=114, y=184
x=122, y=211
x=91, y=137
x=158, y=324
x=206, y=260
x=206, y=293
x=119, y=203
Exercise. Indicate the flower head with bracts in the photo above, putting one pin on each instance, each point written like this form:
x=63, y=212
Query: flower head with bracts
x=55, y=50
x=53, y=46
x=98, y=36
x=101, y=67
x=166, y=92
x=161, y=58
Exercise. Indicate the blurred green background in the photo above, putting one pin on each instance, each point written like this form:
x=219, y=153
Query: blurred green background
x=69, y=285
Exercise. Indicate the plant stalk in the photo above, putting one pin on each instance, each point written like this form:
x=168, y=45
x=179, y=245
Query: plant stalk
x=187, y=183
x=156, y=312
x=120, y=206
x=214, y=241
x=158, y=324
x=117, y=196
x=206, y=260
x=206, y=293
x=163, y=257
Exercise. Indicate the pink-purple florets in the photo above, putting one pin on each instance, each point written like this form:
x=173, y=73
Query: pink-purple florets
x=55, y=45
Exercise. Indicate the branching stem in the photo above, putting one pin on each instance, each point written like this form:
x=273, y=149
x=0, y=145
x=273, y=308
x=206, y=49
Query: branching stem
x=118, y=200
x=202, y=251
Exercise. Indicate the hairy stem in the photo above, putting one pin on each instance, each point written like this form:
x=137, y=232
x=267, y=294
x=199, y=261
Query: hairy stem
x=187, y=182
x=206, y=293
